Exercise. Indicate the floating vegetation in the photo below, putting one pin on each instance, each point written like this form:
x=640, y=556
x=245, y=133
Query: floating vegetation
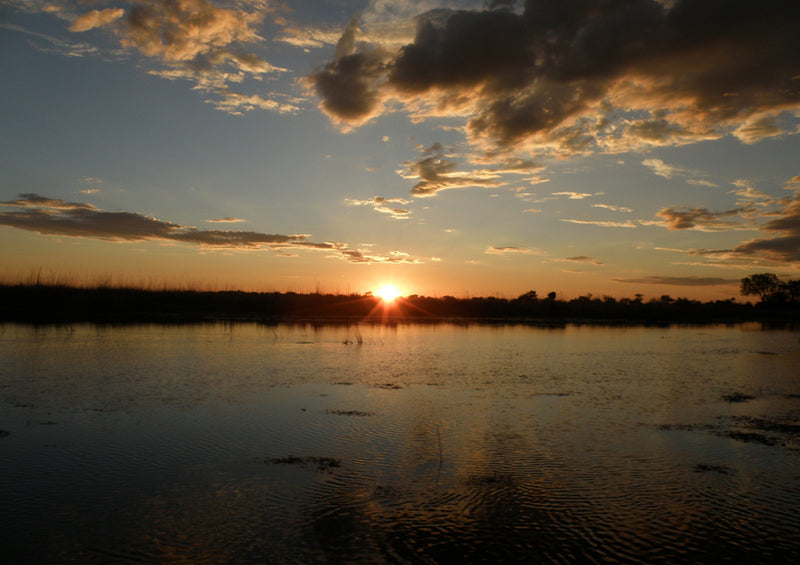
x=493, y=479
x=761, y=424
x=737, y=397
x=381, y=491
x=721, y=469
x=349, y=413
x=748, y=437
x=747, y=429
x=685, y=427
x=318, y=463
x=388, y=386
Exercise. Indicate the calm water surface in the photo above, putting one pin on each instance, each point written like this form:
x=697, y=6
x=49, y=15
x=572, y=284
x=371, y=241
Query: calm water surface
x=408, y=444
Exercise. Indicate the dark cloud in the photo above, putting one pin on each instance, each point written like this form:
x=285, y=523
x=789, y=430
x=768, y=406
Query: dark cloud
x=350, y=85
x=785, y=246
x=680, y=281
x=51, y=216
x=583, y=75
x=701, y=219
x=436, y=172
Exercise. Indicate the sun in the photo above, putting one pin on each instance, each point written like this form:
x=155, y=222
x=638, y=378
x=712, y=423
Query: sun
x=387, y=292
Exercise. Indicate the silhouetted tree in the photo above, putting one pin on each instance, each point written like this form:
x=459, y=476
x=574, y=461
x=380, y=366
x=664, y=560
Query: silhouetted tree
x=792, y=290
x=765, y=285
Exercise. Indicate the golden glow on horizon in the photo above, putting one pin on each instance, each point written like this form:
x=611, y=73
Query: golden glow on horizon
x=387, y=293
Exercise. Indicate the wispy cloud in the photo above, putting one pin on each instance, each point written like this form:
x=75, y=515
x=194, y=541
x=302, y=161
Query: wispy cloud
x=196, y=40
x=596, y=76
x=435, y=172
x=784, y=246
x=624, y=209
x=52, y=216
x=96, y=18
x=306, y=36
x=492, y=250
x=680, y=281
x=384, y=206
x=577, y=195
x=702, y=219
x=662, y=169
x=225, y=220
x=781, y=228
x=602, y=223
x=668, y=171
x=747, y=193
x=55, y=44
x=583, y=259
x=701, y=182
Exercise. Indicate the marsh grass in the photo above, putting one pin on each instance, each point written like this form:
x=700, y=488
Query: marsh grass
x=49, y=298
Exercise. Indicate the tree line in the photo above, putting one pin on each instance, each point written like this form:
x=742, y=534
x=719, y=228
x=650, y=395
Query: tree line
x=53, y=303
x=770, y=289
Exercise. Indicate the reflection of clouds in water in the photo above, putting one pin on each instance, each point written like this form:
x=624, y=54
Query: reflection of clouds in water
x=550, y=441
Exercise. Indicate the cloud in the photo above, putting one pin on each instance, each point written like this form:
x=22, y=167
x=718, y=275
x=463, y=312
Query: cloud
x=758, y=127
x=667, y=171
x=785, y=246
x=237, y=103
x=601, y=223
x=51, y=216
x=680, y=281
x=583, y=259
x=614, y=208
x=197, y=41
x=96, y=18
x=701, y=219
x=436, y=173
x=306, y=37
x=225, y=220
x=382, y=205
x=747, y=193
x=701, y=182
x=661, y=169
x=576, y=195
x=492, y=250
x=54, y=44
x=575, y=76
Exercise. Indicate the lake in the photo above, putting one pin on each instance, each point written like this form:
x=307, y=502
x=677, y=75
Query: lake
x=408, y=443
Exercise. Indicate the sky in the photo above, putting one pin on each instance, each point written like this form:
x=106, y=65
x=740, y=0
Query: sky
x=604, y=147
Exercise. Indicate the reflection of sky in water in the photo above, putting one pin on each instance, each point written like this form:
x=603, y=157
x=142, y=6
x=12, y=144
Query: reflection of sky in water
x=477, y=443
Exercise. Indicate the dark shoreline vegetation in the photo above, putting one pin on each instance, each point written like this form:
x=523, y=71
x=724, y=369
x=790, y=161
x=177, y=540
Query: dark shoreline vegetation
x=63, y=304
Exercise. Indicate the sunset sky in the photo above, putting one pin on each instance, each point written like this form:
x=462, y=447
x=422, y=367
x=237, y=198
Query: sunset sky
x=464, y=148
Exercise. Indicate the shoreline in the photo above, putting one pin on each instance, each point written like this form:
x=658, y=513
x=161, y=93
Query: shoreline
x=59, y=305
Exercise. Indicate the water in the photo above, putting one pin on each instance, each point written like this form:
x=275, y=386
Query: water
x=399, y=444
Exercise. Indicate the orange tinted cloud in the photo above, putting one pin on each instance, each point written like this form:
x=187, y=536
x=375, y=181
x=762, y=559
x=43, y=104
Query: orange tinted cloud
x=51, y=216
x=573, y=76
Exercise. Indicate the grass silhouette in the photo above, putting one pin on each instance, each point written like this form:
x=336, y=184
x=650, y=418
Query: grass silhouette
x=57, y=301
